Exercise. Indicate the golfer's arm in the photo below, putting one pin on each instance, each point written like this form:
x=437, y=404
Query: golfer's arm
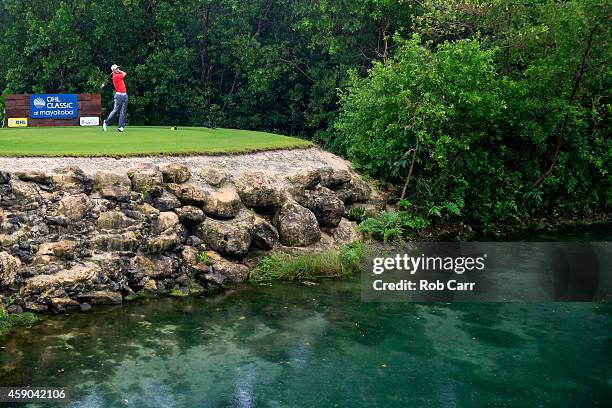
x=123, y=73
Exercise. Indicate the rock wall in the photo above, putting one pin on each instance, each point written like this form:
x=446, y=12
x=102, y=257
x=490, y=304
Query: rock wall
x=69, y=239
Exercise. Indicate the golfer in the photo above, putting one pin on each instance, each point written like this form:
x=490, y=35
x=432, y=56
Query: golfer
x=121, y=98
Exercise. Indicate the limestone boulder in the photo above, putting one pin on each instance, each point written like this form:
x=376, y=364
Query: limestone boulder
x=356, y=190
x=229, y=271
x=101, y=297
x=61, y=249
x=326, y=175
x=63, y=279
x=190, y=214
x=149, y=286
x=265, y=236
x=166, y=241
x=75, y=207
x=127, y=241
x=346, y=232
x=24, y=191
x=175, y=173
x=324, y=204
x=213, y=176
x=146, y=210
x=5, y=177
x=146, y=179
x=9, y=267
x=231, y=238
x=167, y=233
x=35, y=176
x=35, y=306
x=166, y=201
x=153, y=266
x=304, y=179
x=189, y=193
x=213, y=277
x=62, y=304
x=222, y=202
x=165, y=220
x=297, y=226
x=8, y=240
x=72, y=179
x=189, y=255
x=332, y=178
x=258, y=190
x=113, y=186
x=114, y=220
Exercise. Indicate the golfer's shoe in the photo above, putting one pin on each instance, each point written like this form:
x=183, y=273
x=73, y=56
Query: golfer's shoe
x=104, y=125
x=120, y=129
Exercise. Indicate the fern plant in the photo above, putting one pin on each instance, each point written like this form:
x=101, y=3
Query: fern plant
x=393, y=226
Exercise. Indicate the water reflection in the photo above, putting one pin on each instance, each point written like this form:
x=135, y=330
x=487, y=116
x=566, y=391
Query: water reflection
x=296, y=346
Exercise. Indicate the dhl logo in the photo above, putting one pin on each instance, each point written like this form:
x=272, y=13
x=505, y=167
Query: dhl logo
x=17, y=122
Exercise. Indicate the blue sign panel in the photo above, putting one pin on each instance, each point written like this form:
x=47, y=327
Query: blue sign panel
x=53, y=106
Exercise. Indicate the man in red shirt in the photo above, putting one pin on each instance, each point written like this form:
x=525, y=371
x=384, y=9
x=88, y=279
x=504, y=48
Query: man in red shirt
x=121, y=98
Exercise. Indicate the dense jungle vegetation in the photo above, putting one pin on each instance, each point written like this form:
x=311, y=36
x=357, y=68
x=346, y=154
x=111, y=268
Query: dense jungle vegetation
x=484, y=112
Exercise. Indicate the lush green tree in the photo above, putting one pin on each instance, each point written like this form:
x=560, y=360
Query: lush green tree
x=446, y=103
x=503, y=104
x=261, y=64
x=511, y=119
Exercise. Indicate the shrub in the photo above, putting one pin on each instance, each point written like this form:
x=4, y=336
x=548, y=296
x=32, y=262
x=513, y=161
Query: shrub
x=359, y=214
x=393, y=226
x=7, y=321
x=482, y=138
x=313, y=266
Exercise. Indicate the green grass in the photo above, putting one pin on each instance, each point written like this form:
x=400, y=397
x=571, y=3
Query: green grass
x=310, y=266
x=137, y=141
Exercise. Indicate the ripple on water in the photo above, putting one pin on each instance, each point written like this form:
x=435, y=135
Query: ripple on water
x=318, y=346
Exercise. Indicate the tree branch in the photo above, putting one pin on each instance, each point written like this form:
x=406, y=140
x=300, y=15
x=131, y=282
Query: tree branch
x=296, y=66
x=414, y=152
x=577, y=81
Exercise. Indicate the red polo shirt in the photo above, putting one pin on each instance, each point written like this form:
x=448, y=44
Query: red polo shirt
x=118, y=83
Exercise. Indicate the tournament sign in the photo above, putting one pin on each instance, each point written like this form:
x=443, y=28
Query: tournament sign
x=53, y=106
x=17, y=122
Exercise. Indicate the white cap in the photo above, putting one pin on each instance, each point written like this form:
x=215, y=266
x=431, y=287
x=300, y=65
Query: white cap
x=114, y=67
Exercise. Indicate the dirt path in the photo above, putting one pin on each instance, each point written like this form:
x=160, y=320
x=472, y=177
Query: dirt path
x=276, y=162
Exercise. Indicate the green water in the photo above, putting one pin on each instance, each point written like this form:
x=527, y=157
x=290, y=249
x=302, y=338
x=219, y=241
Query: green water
x=291, y=345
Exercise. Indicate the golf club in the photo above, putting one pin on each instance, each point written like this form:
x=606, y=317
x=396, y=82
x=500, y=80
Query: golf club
x=106, y=79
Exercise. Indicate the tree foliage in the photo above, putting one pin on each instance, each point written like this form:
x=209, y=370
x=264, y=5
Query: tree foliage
x=508, y=100
x=511, y=119
x=259, y=64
